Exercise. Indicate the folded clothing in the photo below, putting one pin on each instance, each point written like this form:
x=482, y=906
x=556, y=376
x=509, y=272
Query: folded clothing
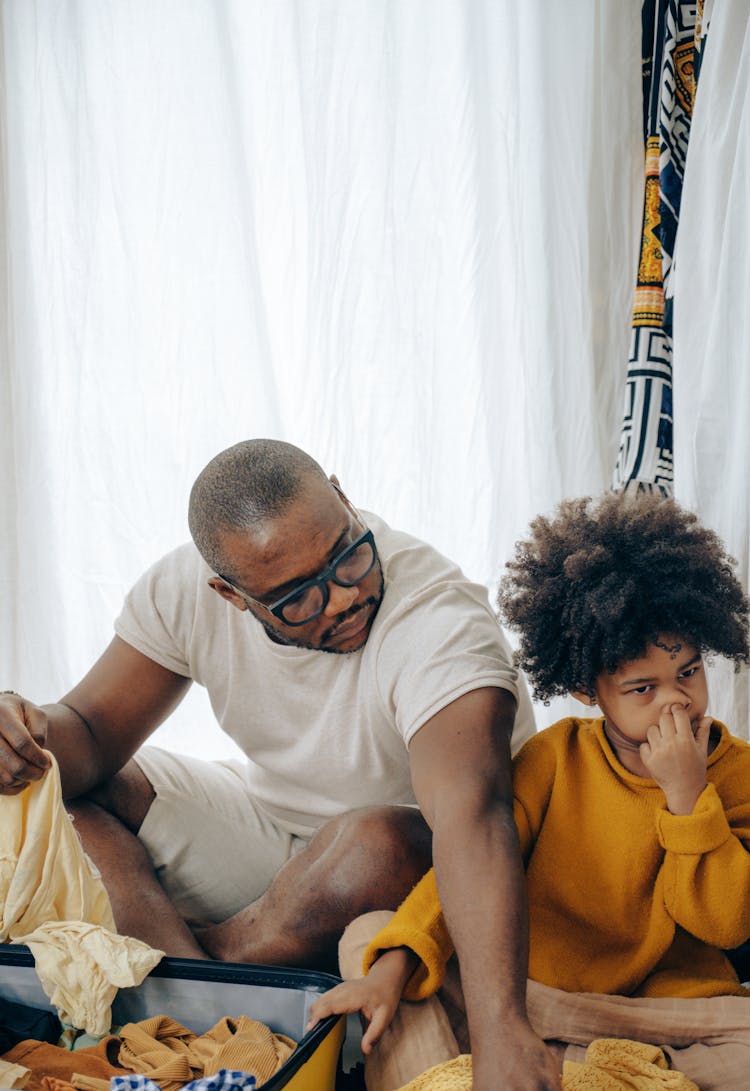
x=453, y=1075
x=612, y=1064
x=615, y=1063
x=162, y=1051
x=172, y=1056
x=45, y=1060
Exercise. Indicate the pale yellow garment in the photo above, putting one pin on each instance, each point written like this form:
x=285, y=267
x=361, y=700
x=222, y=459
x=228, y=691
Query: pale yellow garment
x=53, y=900
x=13, y=1075
x=612, y=1064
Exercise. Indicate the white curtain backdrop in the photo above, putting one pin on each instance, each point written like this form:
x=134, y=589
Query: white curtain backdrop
x=401, y=235
x=712, y=316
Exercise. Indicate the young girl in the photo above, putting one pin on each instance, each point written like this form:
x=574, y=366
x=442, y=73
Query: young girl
x=634, y=826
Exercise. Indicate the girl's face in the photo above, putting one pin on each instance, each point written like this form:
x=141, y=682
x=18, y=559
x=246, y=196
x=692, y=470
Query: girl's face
x=670, y=673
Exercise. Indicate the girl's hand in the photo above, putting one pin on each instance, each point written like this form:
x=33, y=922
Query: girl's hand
x=377, y=1007
x=676, y=758
x=376, y=996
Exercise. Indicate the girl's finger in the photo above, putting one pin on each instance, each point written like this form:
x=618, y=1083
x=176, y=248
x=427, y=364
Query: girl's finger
x=319, y=1010
x=703, y=731
x=378, y=1023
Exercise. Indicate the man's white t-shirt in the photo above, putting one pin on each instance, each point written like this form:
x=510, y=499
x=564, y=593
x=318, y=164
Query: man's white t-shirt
x=327, y=733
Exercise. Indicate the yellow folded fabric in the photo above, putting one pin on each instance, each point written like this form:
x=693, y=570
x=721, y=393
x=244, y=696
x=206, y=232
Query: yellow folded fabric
x=53, y=900
x=243, y=1045
x=54, y=1083
x=89, y=1083
x=171, y=1055
x=453, y=1075
x=78, y=1082
x=612, y=1064
x=159, y=1048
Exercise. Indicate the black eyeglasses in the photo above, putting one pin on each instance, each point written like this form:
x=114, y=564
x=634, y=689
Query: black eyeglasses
x=310, y=599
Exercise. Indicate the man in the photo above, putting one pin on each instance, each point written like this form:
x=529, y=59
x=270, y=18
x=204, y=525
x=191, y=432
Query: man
x=414, y=702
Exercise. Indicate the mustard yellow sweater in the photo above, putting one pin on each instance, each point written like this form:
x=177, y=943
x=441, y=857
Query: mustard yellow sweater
x=624, y=897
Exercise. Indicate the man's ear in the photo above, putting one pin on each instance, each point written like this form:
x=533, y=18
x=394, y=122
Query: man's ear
x=583, y=697
x=227, y=592
x=337, y=486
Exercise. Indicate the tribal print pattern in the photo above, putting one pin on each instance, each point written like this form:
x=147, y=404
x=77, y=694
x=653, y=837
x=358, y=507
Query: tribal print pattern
x=672, y=38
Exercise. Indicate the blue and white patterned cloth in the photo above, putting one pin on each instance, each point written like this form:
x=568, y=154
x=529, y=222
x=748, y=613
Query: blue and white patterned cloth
x=224, y=1080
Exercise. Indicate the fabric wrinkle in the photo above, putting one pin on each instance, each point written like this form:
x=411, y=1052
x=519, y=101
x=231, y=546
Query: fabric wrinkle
x=53, y=900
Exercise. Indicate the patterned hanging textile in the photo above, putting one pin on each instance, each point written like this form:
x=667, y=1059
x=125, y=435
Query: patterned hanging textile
x=672, y=37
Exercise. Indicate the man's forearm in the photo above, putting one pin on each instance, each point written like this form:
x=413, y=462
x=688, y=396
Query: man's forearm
x=482, y=890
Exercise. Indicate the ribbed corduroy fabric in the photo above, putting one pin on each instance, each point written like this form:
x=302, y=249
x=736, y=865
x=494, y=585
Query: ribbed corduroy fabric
x=172, y=1056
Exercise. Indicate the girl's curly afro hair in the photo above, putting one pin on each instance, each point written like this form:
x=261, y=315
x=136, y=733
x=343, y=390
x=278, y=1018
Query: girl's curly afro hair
x=596, y=583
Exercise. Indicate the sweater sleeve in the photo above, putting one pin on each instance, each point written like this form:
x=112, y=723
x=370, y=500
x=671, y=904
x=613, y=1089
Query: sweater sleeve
x=706, y=869
x=419, y=925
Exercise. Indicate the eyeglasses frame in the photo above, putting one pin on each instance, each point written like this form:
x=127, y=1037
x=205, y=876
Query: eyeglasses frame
x=327, y=575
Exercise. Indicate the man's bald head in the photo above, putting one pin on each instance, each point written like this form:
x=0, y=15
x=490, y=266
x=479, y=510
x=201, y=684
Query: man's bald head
x=243, y=487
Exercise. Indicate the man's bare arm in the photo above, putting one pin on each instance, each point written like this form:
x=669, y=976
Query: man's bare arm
x=461, y=771
x=95, y=728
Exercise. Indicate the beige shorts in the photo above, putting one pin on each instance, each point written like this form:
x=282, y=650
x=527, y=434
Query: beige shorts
x=214, y=850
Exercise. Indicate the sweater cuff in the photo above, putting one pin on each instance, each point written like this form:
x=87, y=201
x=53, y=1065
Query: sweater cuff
x=428, y=976
x=693, y=834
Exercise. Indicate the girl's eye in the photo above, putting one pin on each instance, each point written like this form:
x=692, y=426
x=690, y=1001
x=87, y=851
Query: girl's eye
x=689, y=672
x=641, y=689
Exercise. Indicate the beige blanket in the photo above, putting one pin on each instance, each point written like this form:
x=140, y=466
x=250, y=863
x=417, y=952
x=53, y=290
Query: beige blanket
x=708, y=1040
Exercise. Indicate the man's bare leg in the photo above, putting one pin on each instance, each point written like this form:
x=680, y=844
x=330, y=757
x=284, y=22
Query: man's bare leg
x=364, y=860
x=140, y=905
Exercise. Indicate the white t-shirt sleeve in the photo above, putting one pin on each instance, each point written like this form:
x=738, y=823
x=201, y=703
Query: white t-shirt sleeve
x=439, y=645
x=158, y=614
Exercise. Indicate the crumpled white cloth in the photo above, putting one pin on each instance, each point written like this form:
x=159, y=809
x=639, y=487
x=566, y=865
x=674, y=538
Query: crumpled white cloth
x=53, y=900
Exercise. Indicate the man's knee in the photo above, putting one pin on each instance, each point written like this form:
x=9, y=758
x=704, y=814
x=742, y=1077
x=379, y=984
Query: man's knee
x=396, y=834
x=379, y=853
x=127, y=796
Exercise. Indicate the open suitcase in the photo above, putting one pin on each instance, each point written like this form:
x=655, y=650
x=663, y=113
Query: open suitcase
x=198, y=994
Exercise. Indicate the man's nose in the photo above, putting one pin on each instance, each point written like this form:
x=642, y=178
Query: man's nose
x=339, y=598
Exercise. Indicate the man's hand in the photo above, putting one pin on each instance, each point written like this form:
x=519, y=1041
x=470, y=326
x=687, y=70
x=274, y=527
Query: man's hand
x=23, y=732
x=376, y=996
x=676, y=758
x=522, y=1061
